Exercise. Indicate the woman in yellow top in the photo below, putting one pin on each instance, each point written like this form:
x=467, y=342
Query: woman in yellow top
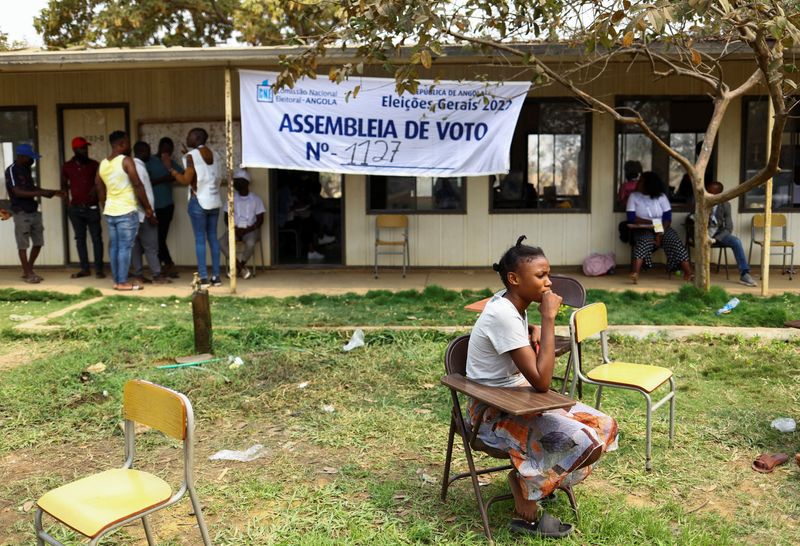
x=119, y=189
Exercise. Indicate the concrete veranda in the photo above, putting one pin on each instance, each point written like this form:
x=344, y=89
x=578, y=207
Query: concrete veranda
x=294, y=282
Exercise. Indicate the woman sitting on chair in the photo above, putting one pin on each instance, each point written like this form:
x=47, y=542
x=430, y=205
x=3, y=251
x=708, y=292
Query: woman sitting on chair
x=649, y=208
x=551, y=450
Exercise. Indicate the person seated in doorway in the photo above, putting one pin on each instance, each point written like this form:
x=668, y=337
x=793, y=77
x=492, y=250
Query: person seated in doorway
x=650, y=213
x=146, y=242
x=248, y=216
x=720, y=230
x=550, y=450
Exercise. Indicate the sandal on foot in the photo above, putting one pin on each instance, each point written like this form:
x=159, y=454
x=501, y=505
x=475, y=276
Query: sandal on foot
x=80, y=274
x=766, y=462
x=32, y=279
x=635, y=278
x=547, y=526
x=127, y=287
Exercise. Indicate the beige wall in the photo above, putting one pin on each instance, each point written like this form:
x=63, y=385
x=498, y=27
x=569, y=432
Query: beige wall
x=474, y=239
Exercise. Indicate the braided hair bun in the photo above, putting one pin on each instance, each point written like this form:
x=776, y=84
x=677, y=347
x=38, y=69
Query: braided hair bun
x=513, y=256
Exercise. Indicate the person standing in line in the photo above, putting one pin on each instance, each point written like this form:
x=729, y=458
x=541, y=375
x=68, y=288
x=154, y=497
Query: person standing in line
x=120, y=190
x=248, y=214
x=201, y=175
x=164, y=203
x=146, y=242
x=77, y=182
x=28, y=226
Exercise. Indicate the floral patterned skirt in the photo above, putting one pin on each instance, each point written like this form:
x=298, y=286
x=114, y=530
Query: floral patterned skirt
x=547, y=448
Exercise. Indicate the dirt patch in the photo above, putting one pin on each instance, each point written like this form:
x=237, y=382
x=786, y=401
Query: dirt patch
x=17, y=353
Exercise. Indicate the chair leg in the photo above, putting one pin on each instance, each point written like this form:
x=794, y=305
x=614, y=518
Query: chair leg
x=198, y=512
x=599, y=395
x=37, y=525
x=647, y=465
x=672, y=411
x=148, y=531
x=566, y=374
x=572, y=502
x=448, y=458
x=475, y=484
x=376, y=261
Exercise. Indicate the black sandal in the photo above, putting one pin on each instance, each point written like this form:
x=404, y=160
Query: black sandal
x=547, y=526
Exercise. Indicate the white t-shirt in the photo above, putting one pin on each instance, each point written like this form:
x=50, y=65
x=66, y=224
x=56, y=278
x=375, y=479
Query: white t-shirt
x=499, y=329
x=245, y=208
x=141, y=170
x=646, y=207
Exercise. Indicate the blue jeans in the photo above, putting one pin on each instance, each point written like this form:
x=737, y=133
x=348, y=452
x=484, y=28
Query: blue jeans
x=733, y=242
x=121, y=234
x=204, y=225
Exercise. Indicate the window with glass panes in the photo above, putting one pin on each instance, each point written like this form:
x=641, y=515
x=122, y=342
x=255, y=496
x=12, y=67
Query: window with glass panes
x=17, y=126
x=420, y=194
x=785, y=184
x=679, y=121
x=549, y=160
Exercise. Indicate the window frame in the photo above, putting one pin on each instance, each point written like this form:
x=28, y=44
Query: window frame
x=618, y=100
x=33, y=110
x=588, y=165
x=746, y=100
x=374, y=212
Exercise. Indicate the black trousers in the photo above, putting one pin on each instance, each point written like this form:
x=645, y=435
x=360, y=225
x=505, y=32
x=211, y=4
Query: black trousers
x=82, y=218
x=164, y=217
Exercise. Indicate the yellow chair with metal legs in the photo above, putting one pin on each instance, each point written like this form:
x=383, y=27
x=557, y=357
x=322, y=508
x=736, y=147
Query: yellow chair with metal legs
x=98, y=504
x=384, y=222
x=592, y=320
x=778, y=247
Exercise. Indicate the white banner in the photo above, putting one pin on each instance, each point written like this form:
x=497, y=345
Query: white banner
x=450, y=129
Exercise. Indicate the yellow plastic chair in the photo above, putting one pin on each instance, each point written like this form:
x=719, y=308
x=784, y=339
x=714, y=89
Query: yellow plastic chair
x=778, y=247
x=392, y=221
x=98, y=504
x=592, y=320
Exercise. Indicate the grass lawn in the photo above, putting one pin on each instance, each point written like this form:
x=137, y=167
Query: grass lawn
x=434, y=306
x=361, y=474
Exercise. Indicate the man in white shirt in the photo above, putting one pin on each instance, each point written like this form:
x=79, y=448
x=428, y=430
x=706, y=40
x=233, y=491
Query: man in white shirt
x=248, y=216
x=146, y=242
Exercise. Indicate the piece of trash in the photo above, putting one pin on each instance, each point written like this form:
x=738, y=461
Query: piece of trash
x=193, y=360
x=328, y=408
x=235, y=362
x=96, y=368
x=357, y=340
x=784, y=424
x=251, y=454
x=728, y=307
x=222, y=474
x=163, y=305
x=428, y=385
x=329, y=470
x=303, y=385
x=427, y=478
x=28, y=506
x=20, y=318
x=105, y=394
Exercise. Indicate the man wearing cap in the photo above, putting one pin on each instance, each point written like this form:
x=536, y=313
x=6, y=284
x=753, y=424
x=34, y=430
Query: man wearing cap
x=23, y=191
x=77, y=182
x=248, y=216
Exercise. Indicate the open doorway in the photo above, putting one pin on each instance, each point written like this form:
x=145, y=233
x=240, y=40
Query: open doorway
x=307, y=225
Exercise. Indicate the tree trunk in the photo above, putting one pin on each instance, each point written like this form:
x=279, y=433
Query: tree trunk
x=702, y=245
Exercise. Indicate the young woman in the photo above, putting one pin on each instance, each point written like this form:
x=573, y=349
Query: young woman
x=550, y=450
x=650, y=203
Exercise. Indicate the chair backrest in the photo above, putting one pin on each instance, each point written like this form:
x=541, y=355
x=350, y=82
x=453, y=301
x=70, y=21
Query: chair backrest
x=778, y=220
x=391, y=221
x=571, y=291
x=588, y=321
x=455, y=357
x=157, y=407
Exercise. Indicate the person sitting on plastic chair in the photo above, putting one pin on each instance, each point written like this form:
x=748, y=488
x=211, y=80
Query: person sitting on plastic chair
x=550, y=450
x=248, y=213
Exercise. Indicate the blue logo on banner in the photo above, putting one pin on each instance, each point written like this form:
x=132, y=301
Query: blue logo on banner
x=264, y=92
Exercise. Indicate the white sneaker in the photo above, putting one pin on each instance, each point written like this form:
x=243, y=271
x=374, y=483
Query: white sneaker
x=246, y=273
x=315, y=256
x=326, y=240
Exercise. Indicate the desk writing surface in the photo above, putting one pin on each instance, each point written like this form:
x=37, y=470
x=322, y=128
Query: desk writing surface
x=511, y=400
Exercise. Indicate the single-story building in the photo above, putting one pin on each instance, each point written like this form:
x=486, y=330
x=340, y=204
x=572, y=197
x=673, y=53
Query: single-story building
x=561, y=192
